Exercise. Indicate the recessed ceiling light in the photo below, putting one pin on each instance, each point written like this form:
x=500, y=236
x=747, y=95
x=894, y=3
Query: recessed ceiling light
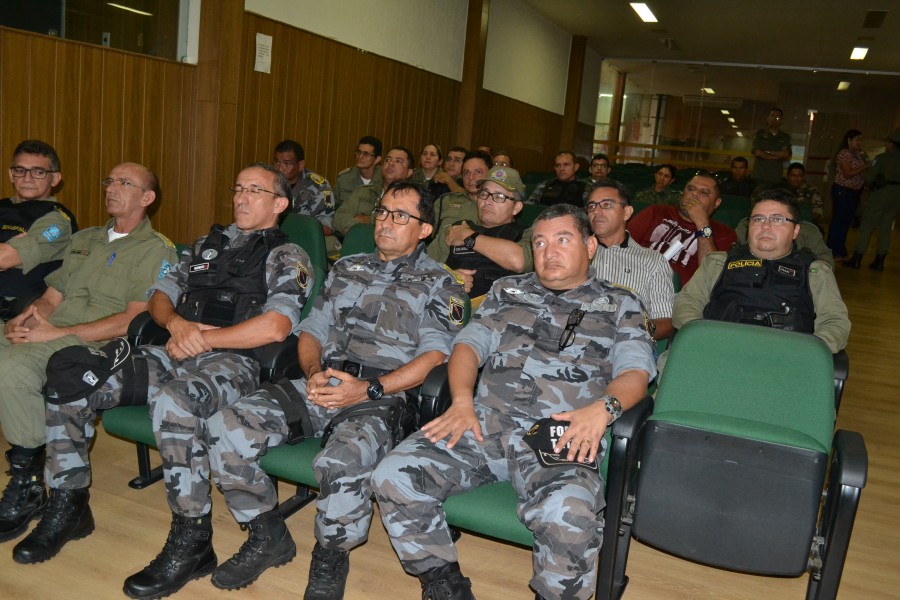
x=725, y=112
x=734, y=126
x=739, y=134
x=731, y=119
x=858, y=53
x=708, y=90
x=644, y=12
x=843, y=85
x=129, y=9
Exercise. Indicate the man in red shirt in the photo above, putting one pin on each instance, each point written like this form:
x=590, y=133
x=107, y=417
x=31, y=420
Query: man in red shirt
x=686, y=233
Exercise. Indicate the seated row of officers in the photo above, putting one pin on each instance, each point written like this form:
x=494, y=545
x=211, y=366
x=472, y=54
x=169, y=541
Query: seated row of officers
x=551, y=358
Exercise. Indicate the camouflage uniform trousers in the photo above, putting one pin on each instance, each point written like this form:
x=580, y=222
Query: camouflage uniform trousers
x=342, y=468
x=560, y=505
x=182, y=396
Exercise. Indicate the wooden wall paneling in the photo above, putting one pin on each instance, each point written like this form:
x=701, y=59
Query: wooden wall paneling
x=91, y=165
x=13, y=107
x=227, y=127
x=329, y=124
x=41, y=82
x=313, y=129
x=136, y=138
x=112, y=112
x=67, y=131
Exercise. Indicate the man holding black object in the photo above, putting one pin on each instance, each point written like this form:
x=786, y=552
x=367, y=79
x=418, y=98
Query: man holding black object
x=559, y=349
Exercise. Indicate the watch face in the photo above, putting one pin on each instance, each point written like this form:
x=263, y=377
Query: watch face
x=469, y=242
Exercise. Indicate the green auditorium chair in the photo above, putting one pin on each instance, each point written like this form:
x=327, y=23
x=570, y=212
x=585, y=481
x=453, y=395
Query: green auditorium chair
x=528, y=214
x=307, y=233
x=360, y=239
x=739, y=466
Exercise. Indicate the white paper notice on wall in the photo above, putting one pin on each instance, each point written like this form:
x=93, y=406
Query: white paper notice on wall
x=263, y=53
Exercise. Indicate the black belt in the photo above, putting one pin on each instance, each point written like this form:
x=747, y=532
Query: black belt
x=354, y=368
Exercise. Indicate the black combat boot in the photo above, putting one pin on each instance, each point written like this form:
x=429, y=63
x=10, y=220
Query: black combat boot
x=855, y=261
x=269, y=545
x=327, y=574
x=67, y=517
x=24, y=497
x=446, y=583
x=187, y=555
x=878, y=263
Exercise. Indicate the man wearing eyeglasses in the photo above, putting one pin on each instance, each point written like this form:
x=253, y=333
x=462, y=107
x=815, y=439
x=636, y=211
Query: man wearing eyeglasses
x=382, y=321
x=34, y=227
x=559, y=350
x=771, y=147
x=100, y=287
x=367, y=170
x=473, y=251
x=621, y=261
x=686, y=233
x=398, y=165
x=769, y=281
x=235, y=290
x=599, y=170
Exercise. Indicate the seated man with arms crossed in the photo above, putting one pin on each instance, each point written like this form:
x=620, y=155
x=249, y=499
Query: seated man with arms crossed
x=558, y=347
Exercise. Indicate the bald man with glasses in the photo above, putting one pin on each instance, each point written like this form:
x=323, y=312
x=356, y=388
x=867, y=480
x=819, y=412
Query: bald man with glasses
x=100, y=287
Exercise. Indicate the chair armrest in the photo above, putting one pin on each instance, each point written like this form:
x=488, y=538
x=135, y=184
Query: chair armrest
x=434, y=394
x=627, y=426
x=278, y=359
x=143, y=331
x=851, y=459
x=841, y=373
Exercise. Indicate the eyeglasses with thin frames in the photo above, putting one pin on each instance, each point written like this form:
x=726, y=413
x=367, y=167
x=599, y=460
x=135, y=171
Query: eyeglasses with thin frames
x=773, y=220
x=35, y=172
x=568, y=334
x=397, y=216
x=253, y=191
x=606, y=204
x=364, y=154
x=122, y=182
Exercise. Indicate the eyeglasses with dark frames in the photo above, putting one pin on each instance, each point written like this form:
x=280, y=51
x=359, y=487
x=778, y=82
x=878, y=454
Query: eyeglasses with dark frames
x=35, y=172
x=568, y=334
x=397, y=216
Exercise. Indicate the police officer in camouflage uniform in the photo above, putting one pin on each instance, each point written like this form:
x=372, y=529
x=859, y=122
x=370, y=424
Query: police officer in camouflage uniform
x=236, y=289
x=382, y=322
x=310, y=192
x=101, y=285
x=34, y=227
x=556, y=343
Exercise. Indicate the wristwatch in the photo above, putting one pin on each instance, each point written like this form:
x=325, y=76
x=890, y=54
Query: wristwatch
x=706, y=232
x=375, y=390
x=469, y=242
x=613, y=407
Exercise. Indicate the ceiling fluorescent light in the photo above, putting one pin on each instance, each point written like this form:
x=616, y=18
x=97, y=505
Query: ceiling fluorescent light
x=858, y=53
x=726, y=112
x=129, y=9
x=708, y=90
x=731, y=119
x=739, y=134
x=734, y=126
x=644, y=12
x=843, y=85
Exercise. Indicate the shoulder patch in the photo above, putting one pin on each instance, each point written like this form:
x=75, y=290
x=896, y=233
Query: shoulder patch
x=63, y=214
x=327, y=199
x=51, y=234
x=164, y=269
x=317, y=179
x=302, y=276
x=455, y=275
x=457, y=310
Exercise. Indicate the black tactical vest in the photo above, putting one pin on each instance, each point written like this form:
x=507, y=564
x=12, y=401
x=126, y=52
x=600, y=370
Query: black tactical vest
x=563, y=192
x=228, y=286
x=772, y=293
x=16, y=218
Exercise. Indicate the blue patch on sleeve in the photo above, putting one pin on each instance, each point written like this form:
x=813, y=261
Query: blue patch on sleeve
x=52, y=233
x=164, y=269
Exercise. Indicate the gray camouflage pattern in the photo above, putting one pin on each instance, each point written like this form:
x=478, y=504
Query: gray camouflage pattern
x=516, y=334
x=312, y=195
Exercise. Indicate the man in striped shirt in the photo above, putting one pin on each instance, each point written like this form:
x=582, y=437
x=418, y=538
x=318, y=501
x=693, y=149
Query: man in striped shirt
x=621, y=261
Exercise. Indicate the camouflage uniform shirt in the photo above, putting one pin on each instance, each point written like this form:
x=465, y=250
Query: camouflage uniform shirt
x=311, y=195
